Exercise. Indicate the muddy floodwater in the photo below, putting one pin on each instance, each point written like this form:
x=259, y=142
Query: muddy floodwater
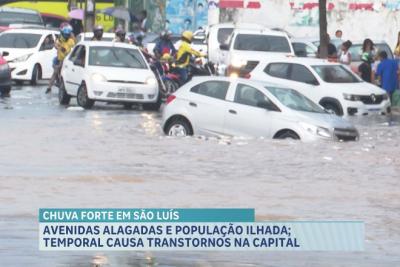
x=108, y=157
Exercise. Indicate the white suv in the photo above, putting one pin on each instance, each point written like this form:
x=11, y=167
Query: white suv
x=248, y=47
x=332, y=85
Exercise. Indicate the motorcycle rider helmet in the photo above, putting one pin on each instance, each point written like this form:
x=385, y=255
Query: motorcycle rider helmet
x=188, y=35
x=66, y=31
x=98, y=32
x=120, y=33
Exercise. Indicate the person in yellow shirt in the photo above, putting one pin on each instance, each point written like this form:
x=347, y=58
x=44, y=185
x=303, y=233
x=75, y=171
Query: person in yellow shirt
x=63, y=44
x=185, y=52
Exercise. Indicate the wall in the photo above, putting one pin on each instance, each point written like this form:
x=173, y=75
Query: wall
x=379, y=20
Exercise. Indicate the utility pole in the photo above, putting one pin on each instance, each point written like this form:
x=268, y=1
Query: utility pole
x=323, y=30
x=90, y=15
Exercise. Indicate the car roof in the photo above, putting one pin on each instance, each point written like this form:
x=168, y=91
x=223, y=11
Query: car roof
x=263, y=31
x=19, y=10
x=108, y=44
x=199, y=79
x=33, y=30
x=90, y=34
x=298, y=60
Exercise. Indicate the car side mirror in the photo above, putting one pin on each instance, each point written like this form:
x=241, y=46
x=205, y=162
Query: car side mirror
x=224, y=47
x=4, y=54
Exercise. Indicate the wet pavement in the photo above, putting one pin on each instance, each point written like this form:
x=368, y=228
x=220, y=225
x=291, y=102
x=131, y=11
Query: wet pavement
x=54, y=156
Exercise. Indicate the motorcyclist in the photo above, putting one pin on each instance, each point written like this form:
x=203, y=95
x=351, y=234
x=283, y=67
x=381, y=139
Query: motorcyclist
x=120, y=35
x=164, y=45
x=63, y=45
x=98, y=33
x=184, y=54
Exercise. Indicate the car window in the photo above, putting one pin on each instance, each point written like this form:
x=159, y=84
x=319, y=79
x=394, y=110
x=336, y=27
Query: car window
x=214, y=89
x=262, y=43
x=75, y=53
x=19, y=40
x=117, y=57
x=80, y=58
x=300, y=73
x=303, y=50
x=48, y=43
x=335, y=74
x=7, y=18
x=294, y=100
x=223, y=35
x=250, y=96
x=279, y=70
x=356, y=51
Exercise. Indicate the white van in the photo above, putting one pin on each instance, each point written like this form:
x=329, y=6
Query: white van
x=247, y=48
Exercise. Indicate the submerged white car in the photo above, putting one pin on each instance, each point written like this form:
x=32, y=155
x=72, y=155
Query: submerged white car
x=30, y=53
x=221, y=106
x=332, y=85
x=109, y=72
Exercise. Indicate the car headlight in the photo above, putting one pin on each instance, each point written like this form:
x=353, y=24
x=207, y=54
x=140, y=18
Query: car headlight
x=351, y=97
x=320, y=131
x=97, y=77
x=385, y=96
x=238, y=63
x=151, y=81
x=22, y=58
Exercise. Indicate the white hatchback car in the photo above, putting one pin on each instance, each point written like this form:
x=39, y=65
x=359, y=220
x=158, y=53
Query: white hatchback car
x=30, y=53
x=109, y=72
x=238, y=107
x=332, y=85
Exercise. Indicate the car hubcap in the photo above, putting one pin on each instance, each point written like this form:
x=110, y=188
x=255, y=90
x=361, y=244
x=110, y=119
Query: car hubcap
x=177, y=130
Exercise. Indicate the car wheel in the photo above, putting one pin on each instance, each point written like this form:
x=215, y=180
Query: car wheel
x=35, y=75
x=63, y=96
x=153, y=106
x=179, y=128
x=288, y=135
x=83, y=98
x=5, y=91
x=332, y=108
x=170, y=86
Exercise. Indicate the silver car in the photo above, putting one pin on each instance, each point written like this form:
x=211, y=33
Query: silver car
x=222, y=106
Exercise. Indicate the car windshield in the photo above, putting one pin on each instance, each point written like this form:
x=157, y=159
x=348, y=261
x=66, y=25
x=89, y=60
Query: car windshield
x=356, y=51
x=262, y=43
x=19, y=40
x=7, y=18
x=335, y=74
x=118, y=57
x=294, y=100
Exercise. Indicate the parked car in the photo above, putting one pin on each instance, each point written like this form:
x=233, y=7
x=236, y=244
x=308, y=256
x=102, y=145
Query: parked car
x=5, y=76
x=221, y=106
x=87, y=36
x=356, y=52
x=13, y=15
x=332, y=85
x=247, y=47
x=308, y=46
x=108, y=72
x=30, y=53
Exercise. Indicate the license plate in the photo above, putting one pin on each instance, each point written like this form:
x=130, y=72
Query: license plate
x=374, y=109
x=126, y=90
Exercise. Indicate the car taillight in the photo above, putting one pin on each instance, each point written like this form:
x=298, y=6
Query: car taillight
x=170, y=99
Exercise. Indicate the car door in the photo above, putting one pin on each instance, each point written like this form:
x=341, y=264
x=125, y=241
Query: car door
x=251, y=113
x=207, y=106
x=69, y=71
x=47, y=52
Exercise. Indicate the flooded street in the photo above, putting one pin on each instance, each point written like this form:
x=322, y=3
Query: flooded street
x=108, y=157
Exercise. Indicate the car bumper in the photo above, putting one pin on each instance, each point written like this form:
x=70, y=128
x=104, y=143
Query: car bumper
x=20, y=71
x=337, y=135
x=122, y=92
x=357, y=108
